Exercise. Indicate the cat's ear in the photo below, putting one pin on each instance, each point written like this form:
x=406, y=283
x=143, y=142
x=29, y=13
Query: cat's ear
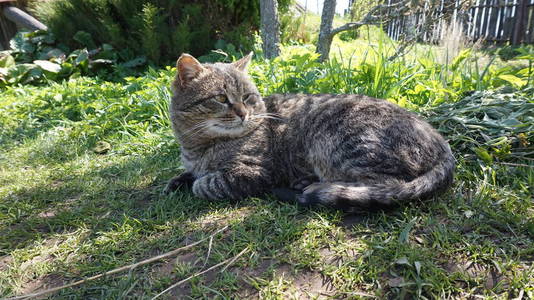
x=188, y=68
x=243, y=63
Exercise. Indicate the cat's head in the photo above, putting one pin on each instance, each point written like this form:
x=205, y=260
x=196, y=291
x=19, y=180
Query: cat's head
x=215, y=100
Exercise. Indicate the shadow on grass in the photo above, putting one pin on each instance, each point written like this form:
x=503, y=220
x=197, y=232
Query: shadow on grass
x=112, y=213
x=109, y=211
x=99, y=212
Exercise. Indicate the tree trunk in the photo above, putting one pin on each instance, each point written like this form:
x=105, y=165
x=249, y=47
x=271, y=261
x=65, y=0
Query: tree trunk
x=270, y=28
x=382, y=14
x=325, y=33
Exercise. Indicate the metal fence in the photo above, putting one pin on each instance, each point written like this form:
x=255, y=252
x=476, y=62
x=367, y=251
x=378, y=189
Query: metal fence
x=497, y=21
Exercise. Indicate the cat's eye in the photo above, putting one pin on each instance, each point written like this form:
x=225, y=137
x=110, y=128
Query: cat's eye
x=250, y=99
x=221, y=98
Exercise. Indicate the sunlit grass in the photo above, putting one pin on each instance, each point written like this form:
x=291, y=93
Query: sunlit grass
x=69, y=210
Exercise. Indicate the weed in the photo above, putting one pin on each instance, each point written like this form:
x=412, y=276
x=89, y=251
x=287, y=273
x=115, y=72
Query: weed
x=69, y=209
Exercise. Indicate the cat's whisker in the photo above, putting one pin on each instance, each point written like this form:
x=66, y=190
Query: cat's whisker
x=269, y=114
x=190, y=135
x=195, y=129
x=199, y=124
x=265, y=117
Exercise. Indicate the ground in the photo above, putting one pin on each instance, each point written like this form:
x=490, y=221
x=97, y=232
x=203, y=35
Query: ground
x=82, y=167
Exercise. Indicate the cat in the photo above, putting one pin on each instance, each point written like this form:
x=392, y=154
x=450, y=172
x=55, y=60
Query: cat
x=348, y=152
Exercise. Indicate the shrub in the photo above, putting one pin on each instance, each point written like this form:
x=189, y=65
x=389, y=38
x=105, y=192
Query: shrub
x=160, y=29
x=36, y=57
x=411, y=82
x=294, y=30
x=507, y=52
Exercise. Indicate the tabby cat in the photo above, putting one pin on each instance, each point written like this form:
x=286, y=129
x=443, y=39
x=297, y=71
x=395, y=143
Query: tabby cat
x=342, y=151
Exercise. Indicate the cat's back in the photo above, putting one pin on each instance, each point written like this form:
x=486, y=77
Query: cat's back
x=311, y=110
x=364, y=151
x=338, y=125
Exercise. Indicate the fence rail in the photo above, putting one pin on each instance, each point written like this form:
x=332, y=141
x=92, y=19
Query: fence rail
x=498, y=21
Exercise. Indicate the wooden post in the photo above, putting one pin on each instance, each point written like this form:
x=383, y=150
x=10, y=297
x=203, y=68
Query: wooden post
x=23, y=19
x=520, y=20
x=13, y=18
x=7, y=28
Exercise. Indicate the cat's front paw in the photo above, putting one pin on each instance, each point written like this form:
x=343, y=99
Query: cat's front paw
x=285, y=194
x=292, y=196
x=182, y=181
x=301, y=183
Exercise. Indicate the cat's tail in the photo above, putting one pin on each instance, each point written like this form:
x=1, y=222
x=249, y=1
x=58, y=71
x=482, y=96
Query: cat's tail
x=345, y=195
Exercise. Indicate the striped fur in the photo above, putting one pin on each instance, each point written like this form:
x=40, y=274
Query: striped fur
x=343, y=151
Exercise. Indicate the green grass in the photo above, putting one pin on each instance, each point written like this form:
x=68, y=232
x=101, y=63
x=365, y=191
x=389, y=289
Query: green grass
x=70, y=209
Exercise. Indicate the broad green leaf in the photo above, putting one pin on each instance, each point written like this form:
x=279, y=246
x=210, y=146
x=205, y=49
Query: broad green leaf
x=82, y=57
x=21, y=43
x=41, y=36
x=102, y=61
x=48, y=66
x=51, y=53
x=7, y=61
x=484, y=155
x=33, y=75
x=66, y=68
x=460, y=58
x=427, y=63
x=3, y=73
x=526, y=72
x=18, y=72
x=419, y=89
x=529, y=56
x=516, y=81
x=402, y=101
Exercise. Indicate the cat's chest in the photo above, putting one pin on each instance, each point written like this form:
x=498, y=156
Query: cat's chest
x=196, y=162
x=206, y=161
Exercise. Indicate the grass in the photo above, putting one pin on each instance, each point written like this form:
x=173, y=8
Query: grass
x=83, y=164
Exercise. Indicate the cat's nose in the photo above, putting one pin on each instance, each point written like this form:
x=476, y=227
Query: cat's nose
x=240, y=110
